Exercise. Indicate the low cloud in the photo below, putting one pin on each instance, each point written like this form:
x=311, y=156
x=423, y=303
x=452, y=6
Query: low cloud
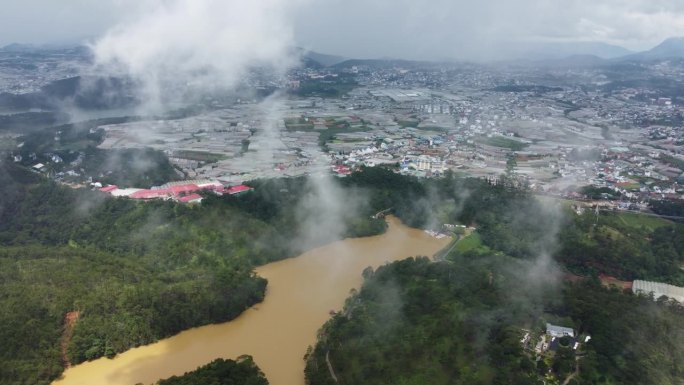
x=178, y=47
x=324, y=211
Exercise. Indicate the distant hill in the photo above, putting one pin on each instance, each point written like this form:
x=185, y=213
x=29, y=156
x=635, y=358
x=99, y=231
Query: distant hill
x=324, y=59
x=573, y=61
x=89, y=93
x=581, y=53
x=589, y=54
x=580, y=61
x=45, y=48
x=670, y=48
x=561, y=50
x=310, y=63
x=16, y=47
x=385, y=63
x=316, y=60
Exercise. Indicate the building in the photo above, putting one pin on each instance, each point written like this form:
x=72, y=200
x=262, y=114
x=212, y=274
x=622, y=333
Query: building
x=559, y=331
x=238, y=190
x=109, y=188
x=658, y=290
x=342, y=170
x=192, y=198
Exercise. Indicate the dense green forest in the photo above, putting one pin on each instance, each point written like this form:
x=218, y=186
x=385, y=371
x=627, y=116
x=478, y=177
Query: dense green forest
x=670, y=208
x=462, y=322
x=221, y=372
x=122, y=304
x=134, y=271
x=417, y=322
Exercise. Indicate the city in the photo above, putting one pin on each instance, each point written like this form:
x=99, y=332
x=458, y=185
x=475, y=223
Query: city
x=556, y=129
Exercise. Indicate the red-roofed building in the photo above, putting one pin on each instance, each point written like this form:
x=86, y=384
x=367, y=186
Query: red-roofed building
x=241, y=189
x=109, y=188
x=213, y=185
x=342, y=170
x=192, y=198
x=151, y=194
x=183, y=189
x=171, y=192
x=183, y=192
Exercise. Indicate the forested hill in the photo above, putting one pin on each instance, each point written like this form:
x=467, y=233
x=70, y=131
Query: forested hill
x=464, y=322
x=243, y=371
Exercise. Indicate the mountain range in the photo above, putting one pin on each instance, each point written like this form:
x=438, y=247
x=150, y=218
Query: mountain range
x=670, y=48
x=564, y=53
x=584, y=53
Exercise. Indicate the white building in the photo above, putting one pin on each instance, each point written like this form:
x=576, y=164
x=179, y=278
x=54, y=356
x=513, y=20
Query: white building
x=658, y=290
x=559, y=331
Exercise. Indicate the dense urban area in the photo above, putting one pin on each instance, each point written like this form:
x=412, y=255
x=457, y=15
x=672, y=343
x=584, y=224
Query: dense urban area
x=559, y=182
x=557, y=127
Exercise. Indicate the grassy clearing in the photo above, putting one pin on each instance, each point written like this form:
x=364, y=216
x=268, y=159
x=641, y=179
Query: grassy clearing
x=676, y=162
x=433, y=128
x=329, y=135
x=634, y=186
x=646, y=221
x=298, y=124
x=200, y=156
x=334, y=125
x=299, y=127
x=469, y=243
x=500, y=141
x=7, y=144
x=408, y=123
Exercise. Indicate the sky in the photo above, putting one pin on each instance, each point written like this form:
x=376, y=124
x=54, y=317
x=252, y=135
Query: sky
x=414, y=29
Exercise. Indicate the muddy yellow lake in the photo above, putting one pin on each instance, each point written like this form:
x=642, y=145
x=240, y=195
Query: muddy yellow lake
x=301, y=292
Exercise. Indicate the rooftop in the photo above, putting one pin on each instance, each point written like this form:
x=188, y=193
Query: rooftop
x=559, y=331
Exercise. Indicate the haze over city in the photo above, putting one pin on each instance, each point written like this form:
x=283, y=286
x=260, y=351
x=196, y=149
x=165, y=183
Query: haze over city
x=409, y=29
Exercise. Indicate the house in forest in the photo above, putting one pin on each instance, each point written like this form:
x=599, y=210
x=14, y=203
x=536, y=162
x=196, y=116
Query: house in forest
x=559, y=331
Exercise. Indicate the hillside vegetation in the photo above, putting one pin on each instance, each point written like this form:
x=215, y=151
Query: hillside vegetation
x=462, y=322
x=221, y=372
x=135, y=272
x=511, y=221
